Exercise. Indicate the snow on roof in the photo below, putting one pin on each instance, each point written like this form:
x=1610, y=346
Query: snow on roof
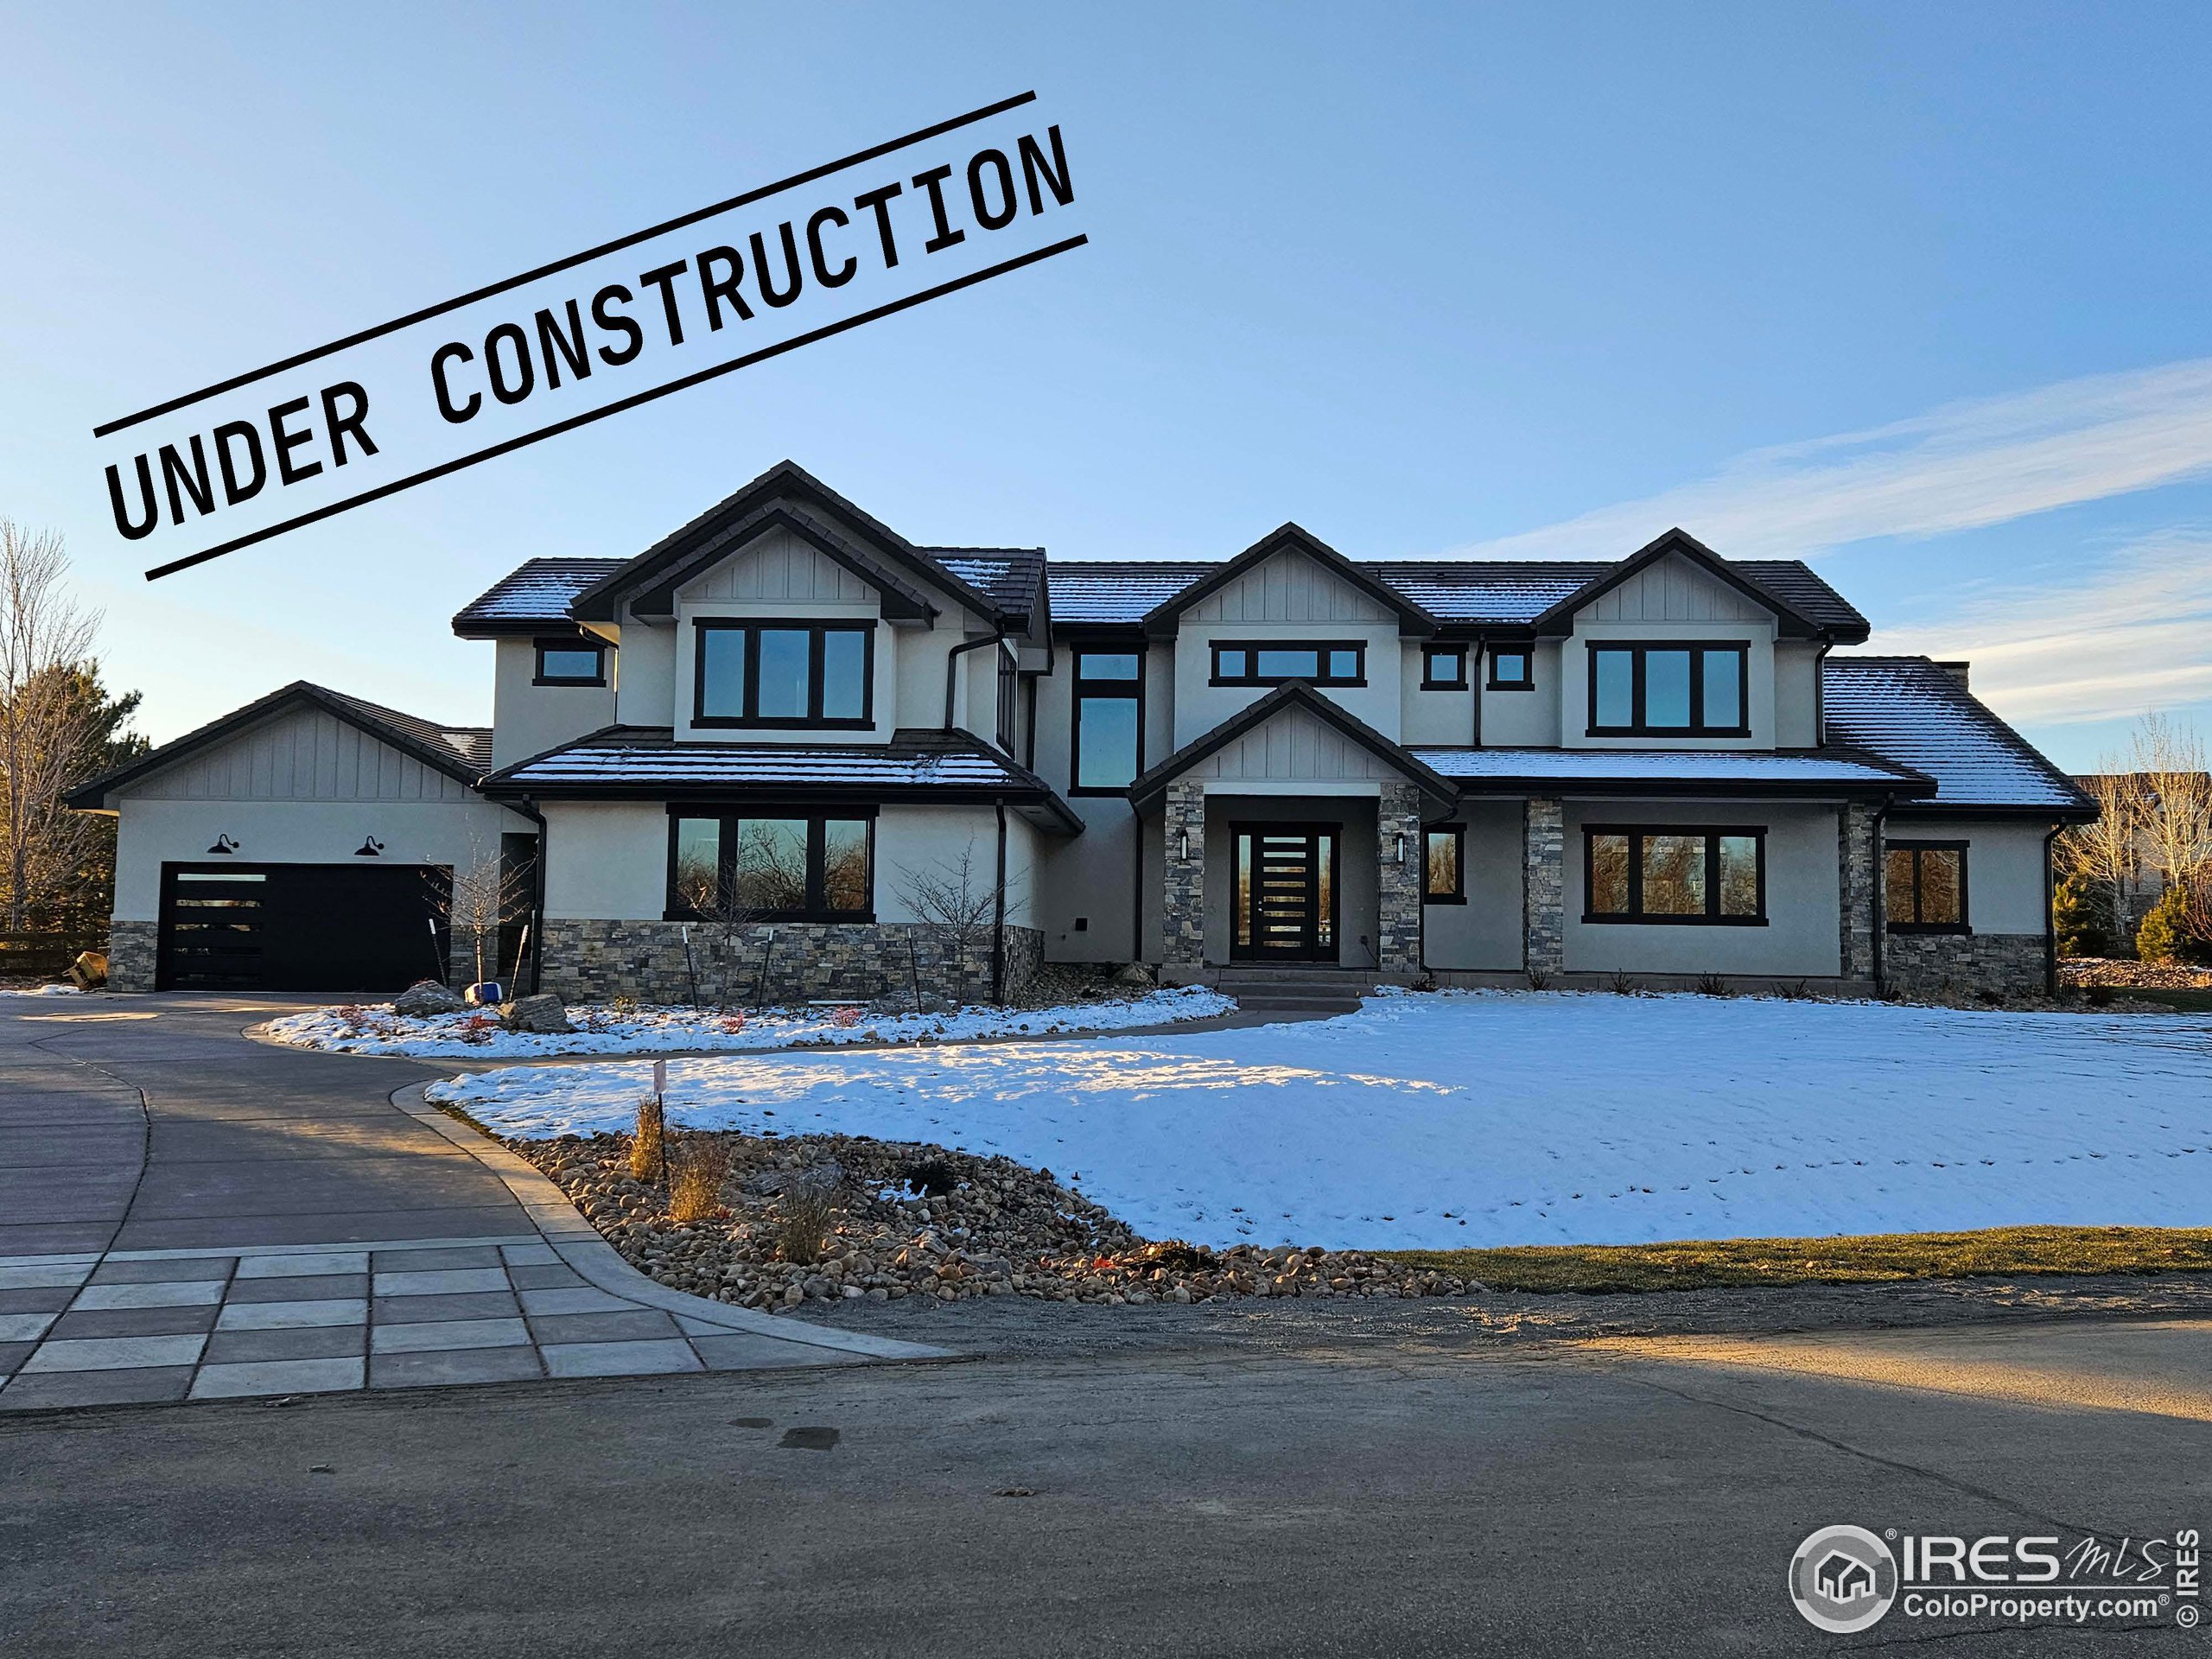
x=471, y=743
x=1119, y=591
x=536, y=594
x=654, y=757
x=1911, y=711
x=1007, y=575
x=1630, y=765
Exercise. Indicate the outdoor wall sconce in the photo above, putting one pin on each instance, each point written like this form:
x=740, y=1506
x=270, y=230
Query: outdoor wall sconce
x=370, y=848
x=224, y=844
x=1401, y=848
x=1182, y=844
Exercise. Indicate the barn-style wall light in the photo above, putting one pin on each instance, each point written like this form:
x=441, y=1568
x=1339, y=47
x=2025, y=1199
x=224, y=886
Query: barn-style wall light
x=224, y=844
x=370, y=848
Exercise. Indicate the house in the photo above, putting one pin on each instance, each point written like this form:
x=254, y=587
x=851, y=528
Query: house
x=785, y=731
x=1844, y=1577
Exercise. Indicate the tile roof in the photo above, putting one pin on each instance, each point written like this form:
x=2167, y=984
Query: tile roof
x=1009, y=575
x=538, y=594
x=1119, y=590
x=471, y=743
x=1841, y=767
x=1908, y=710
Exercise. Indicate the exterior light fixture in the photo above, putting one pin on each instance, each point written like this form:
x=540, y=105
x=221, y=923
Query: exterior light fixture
x=370, y=848
x=1183, y=843
x=1401, y=848
x=224, y=844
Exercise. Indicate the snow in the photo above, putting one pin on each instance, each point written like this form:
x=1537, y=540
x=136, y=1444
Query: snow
x=1485, y=1118
x=1704, y=765
x=41, y=990
x=589, y=762
x=377, y=1030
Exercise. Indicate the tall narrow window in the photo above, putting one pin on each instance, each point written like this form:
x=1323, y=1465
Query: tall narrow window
x=1108, y=719
x=1443, y=878
x=1660, y=690
x=1668, y=874
x=1925, y=884
x=1009, y=682
x=783, y=674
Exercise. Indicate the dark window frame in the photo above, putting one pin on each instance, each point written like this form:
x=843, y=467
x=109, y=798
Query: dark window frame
x=1321, y=648
x=1965, y=923
x=752, y=627
x=1129, y=690
x=1528, y=680
x=1457, y=681
x=1007, y=712
x=1458, y=834
x=816, y=909
x=1634, y=917
x=1639, y=725
x=597, y=647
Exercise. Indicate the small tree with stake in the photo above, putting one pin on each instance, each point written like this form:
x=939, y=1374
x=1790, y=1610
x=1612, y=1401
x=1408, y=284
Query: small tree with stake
x=484, y=898
x=957, y=909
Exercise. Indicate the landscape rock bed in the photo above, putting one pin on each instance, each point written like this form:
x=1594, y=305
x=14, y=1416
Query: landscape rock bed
x=914, y=1220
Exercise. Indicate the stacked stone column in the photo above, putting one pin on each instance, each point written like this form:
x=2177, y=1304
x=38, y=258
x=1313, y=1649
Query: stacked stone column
x=1859, y=878
x=1402, y=853
x=1183, y=912
x=1543, y=887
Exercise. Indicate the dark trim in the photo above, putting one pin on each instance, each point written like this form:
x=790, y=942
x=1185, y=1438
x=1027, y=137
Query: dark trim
x=1320, y=648
x=1639, y=726
x=1108, y=690
x=1964, y=926
x=580, y=642
x=2049, y=915
x=1335, y=950
x=1458, y=834
x=1634, y=916
x=1527, y=653
x=1163, y=619
x=896, y=598
x=1457, y=649
x=752, y=627
x=816, y=815
x=1558, y=619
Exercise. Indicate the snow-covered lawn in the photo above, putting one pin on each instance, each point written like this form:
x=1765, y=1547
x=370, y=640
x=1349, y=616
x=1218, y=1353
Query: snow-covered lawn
x=377, y=1030
x=1480, y=1118
x=40, y=990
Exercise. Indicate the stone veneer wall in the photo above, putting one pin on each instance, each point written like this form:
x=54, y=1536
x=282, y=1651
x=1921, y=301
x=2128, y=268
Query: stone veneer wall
x=1931, y=964
x=1859, y=878
x=1543, y=886
x=591, y=961
x=1183, y=912
x=1400, y=880
x=131, y=950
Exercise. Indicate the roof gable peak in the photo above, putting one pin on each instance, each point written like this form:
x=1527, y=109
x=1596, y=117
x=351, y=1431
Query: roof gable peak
x=1163, y=619
x=1675, y=542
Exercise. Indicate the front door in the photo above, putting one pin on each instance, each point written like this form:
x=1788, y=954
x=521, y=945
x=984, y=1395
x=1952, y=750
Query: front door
x=1286, y=892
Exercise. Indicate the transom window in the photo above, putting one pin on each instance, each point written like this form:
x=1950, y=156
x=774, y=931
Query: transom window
x=773, y=866
x=1512, y=669
x=1925, y=886
x=1109, y=721
x=783, y=674
x=1444, y=668
x=570, y=662
x=1645, y=690
x=1672, y=874
x=1270, y=662
x=1444, y=874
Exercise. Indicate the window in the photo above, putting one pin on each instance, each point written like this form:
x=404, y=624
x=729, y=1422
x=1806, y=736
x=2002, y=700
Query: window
x=1672, y=874
x=1660, y=689
x=1444, y=668
x=1926, y=886
x=570, y=662
x=1009, y=683
x=1270, y=662
x=1444, y=879
x=783, y=674
x=773, y=866
x=1109, y=721
x=1512, y=669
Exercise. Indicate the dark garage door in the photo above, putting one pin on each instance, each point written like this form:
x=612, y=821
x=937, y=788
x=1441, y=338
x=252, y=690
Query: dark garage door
x=301, y=927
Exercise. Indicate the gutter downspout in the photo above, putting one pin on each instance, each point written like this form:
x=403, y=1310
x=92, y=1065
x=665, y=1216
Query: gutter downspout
x=1475, y=683
x=998, y=916
x=536, y=898
x=2051, y=915
x=1878, y=920
x=952, y=666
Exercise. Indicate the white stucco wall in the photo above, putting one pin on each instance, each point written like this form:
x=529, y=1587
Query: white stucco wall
x=1485, y=932
x=2005, y=867
x=605, y=861
x=1524, y=719
x=528, y=719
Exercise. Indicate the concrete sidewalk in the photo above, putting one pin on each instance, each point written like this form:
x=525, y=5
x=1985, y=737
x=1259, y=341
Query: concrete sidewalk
x=186, y=1214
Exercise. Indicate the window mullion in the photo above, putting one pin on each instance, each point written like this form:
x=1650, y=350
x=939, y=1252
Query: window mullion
x=1635, y=874
x=818, y=899
x=1712, y=874
x=1697, y=721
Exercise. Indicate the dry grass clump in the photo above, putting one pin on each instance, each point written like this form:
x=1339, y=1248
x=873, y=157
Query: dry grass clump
x=697, y=1164
x=806, y=1214
x=649, y=1146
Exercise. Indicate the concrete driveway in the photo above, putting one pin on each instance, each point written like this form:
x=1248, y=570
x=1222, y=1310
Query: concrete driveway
x=186, y=1214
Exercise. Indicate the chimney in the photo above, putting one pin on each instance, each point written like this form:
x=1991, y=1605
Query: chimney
x=1957, y=671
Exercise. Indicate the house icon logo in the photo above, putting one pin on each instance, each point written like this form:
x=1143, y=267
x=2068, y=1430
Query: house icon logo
x=1843, y=1579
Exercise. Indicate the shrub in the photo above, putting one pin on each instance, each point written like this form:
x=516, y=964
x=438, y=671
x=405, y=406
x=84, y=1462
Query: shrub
x=2166, y=935
x=806, y=1215
x=1711, y=985
x=623, y=1006
x=1622, y=985
x=649, y=1146
x=846, y=1018
x=2080, y=911
x=697, y=1164
x=1538, y=980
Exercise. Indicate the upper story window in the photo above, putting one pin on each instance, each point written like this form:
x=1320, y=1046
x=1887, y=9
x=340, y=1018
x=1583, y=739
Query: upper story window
x=1009, y=685
x=1442, y=668
x=1669, y=690
x=1512, y=668
x=570, y=662
x=1270, y=662
x=1109, y=721
x=784, y=674
x=1925, y=886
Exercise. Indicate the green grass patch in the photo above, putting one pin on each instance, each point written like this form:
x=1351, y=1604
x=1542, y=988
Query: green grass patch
x=2187, y=1002
x=1696, y=1264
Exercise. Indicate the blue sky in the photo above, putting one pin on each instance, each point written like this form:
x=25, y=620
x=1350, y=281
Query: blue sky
x=1915, y=293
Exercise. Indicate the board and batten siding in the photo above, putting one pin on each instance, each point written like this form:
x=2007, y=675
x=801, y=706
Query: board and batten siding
x=779, y=568
x=1289, y=588
x=1672, y=590
x=1296, y=747
x=305, y=755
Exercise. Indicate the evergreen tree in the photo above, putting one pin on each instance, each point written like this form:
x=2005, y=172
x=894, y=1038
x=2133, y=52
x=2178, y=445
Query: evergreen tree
x=2166, y=935
x=2080, y=911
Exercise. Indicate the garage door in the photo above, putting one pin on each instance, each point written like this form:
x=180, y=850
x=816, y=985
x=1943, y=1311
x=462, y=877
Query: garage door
x=301, y=927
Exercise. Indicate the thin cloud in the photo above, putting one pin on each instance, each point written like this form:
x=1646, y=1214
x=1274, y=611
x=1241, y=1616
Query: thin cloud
x=1958, y=468
x=2134, y=634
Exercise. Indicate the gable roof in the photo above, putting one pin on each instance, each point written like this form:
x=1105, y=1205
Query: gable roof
x=1162, y=620
x=1912, y=713
x=462, y=752
x=654, y=595
x=1013, y=576
x=533, y=597
x=1678, y=543
x=1295, y=694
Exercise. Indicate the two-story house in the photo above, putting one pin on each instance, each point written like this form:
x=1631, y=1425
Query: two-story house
x=787, y=725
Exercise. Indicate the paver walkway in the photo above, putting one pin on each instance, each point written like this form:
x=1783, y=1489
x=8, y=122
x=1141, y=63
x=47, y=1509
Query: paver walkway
x=185, y=1214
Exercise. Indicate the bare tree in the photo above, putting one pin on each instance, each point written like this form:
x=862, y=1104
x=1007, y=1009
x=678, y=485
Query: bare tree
x=44, y=729
x=486, y=897
x=2168, y=760
x=958, y=907
x=2108, y=853
x=765, y=874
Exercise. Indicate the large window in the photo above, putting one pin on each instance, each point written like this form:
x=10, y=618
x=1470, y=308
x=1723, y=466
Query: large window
x=783, y=674
x=1444, y=877
x=570, y=662
x=1657, y=691
x=1270, y=662
x=1925, y=886
x=1109, y=721
x=1672, y=874
x=774, y=867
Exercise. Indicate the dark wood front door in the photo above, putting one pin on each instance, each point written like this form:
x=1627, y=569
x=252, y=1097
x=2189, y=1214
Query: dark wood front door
x=1286, y=892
